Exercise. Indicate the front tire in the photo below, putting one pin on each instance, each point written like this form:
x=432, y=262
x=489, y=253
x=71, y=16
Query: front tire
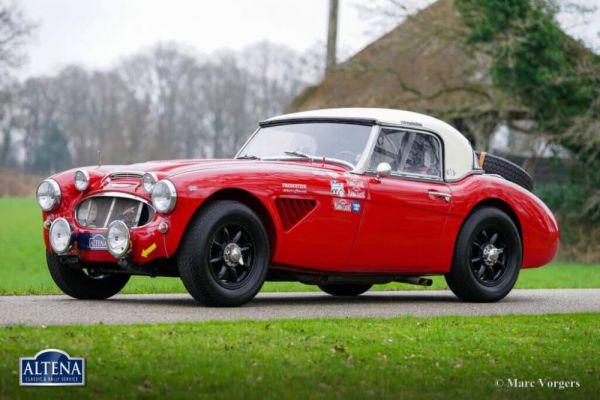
x=224, y=256
x=487, y=257
x=76, y=283
x=345, y=290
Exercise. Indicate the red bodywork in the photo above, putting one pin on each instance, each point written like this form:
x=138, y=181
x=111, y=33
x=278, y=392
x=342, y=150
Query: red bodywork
x=387, y=226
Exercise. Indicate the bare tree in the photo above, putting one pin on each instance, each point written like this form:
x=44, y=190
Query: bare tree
x=15, y=32
x=8, y=123
x=385, y=15
x=164, y=102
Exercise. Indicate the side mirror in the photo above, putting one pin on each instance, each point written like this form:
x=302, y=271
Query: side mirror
x=383, y=169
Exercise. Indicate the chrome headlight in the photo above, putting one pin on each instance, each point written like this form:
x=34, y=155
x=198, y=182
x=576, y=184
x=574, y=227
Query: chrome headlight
x=48, y=194
x=164, y=196
x=60, y=236
x=117, y=239
x=81, y=180
x=148, y=181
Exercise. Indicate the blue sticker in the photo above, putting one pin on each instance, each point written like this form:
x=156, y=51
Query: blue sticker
x=356, y=206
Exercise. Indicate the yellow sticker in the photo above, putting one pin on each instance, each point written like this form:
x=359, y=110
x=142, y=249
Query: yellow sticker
x=149, y=250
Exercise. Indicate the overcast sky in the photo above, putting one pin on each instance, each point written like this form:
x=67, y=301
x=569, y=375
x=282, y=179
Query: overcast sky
x=97, y=33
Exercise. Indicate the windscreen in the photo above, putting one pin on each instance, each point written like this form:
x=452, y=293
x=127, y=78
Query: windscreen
x=342, y=141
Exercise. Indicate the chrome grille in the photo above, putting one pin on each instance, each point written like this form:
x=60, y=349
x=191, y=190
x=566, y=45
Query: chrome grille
x=98, y=212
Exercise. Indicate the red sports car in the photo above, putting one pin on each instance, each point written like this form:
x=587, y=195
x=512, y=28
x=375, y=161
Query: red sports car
x=340, y=198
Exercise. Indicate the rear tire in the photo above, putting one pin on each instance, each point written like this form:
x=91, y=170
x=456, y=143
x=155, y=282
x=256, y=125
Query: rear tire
x=76, y=283
x=207, y=267
x=345, y=290
x=481, y=275
x=508, y=170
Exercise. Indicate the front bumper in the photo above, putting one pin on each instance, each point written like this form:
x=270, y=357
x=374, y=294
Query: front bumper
x=147, y=244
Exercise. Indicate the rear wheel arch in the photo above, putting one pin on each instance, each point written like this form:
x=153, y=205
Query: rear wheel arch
x=501, y=205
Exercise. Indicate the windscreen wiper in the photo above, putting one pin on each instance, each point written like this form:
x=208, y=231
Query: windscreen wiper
x=298, y=154
x=248, y=157
x=313, y=158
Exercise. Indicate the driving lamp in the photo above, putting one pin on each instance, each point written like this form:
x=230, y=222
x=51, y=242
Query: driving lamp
x=60, y=236
x=117, y=239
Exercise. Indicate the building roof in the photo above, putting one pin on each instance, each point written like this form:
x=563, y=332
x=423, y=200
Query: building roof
x=422, y=65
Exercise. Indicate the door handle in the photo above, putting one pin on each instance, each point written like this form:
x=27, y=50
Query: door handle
x=445, y=196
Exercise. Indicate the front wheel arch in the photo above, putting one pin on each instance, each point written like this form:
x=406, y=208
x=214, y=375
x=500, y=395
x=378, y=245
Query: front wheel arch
x=249, y=200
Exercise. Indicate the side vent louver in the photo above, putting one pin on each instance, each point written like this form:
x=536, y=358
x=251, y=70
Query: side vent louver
x=292, y=210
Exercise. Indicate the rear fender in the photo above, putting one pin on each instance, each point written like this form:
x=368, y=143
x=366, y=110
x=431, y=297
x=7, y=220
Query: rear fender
x=537, y=225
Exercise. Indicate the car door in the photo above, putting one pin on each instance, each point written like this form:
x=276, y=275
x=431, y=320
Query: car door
x=405, y=214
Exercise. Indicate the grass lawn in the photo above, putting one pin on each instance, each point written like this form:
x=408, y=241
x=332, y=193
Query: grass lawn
x=23, y=266
x=442, y=357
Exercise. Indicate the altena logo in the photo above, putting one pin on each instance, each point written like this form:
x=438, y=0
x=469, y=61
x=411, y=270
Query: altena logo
x=51, y=367
x=97, y=242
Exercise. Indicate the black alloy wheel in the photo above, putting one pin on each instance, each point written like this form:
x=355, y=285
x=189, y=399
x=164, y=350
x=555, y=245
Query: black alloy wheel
x=231, y=255
x=487, y=257
x=224, y=255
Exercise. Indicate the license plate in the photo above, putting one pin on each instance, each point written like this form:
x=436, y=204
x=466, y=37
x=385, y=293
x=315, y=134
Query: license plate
x=91, y=241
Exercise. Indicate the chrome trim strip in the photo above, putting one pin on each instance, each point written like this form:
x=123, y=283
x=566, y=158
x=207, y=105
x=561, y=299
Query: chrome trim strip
x=119, y=194
x=112, y=206
x=139, y=213
x=361, y=165
x=472, y=172
x=417, y=177
x=238, y=154
x=88, y=213
x=313, y=159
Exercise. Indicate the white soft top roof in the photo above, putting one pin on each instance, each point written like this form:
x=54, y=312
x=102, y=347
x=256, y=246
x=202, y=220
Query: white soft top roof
x=458, y=153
